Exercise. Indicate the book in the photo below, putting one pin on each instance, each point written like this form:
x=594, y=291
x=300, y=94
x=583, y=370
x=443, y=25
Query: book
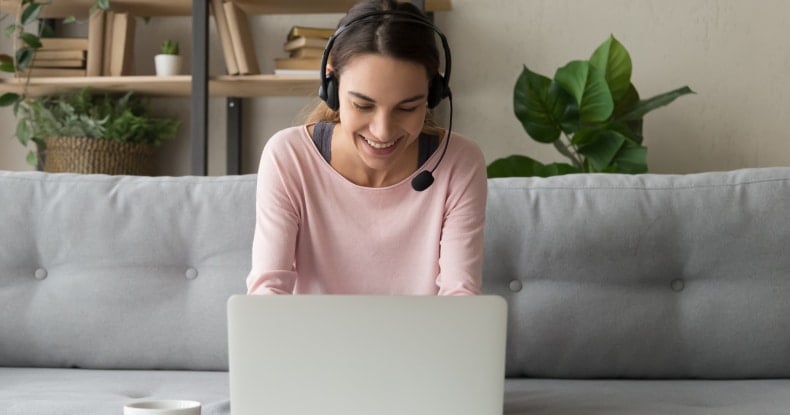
x=307, y=53
x=60, y=54
x=243, y=46
x=306, y=31
x=64, y=43
x=297, y=63
x=109, y=19
x=304, y=42
x=122, y=51
x=52, y=72
x=299, y=72
x=58, y=63
x=221, y=20
x=95, y=52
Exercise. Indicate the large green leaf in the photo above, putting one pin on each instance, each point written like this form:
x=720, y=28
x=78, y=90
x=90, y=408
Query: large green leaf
x=523, y=166
x=539, y=106
x=631, y=160
x=613, y=59
x=587, y=85
x=655, y=102
x=601, y=149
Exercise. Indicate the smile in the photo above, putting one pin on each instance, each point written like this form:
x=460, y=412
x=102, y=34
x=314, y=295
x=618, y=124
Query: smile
x=379, y=146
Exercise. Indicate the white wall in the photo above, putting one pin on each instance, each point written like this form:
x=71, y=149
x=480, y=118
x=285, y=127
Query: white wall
x=731, y=52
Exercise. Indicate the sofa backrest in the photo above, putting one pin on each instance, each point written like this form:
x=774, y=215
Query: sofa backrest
x=120, y=272
x=646, y=276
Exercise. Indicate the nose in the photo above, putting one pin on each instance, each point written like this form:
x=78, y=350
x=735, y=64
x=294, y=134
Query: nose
x=382, y=126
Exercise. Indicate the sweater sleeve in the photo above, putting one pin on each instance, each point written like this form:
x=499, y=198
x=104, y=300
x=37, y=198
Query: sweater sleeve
x=276, y=225
x=461, y=246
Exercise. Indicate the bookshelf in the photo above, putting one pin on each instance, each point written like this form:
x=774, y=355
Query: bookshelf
x=199, y=85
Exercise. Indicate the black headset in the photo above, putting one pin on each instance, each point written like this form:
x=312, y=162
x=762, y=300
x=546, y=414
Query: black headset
x=438, y=88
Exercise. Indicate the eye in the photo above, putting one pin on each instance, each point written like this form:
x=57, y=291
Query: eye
x=362, y=107
x=410, y=109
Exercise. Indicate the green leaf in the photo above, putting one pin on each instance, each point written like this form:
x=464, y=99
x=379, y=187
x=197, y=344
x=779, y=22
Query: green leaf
x=10, y=30
x=523, y=166
x=32, y=158
x=539, y=106
x=601, y=149
x=587, y=84
x=23, y=132
x=655, y=102
x=631, y=160
x=6, y=63
x=69, y=20
x=31, y=40
x=24, y=56
x=613, y=59
x=30, y=14
x=103, y=4
x=8, y=98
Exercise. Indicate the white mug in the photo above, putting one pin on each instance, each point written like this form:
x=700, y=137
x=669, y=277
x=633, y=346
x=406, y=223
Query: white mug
x=162, y=407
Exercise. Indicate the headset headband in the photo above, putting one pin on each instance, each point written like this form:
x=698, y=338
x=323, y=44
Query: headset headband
x=401, y=16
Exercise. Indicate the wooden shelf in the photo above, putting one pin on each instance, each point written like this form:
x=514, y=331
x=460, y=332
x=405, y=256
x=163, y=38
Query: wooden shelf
x=79, y=8
x=238, y=86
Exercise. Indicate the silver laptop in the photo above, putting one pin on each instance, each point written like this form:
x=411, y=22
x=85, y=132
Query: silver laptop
x=366, y=355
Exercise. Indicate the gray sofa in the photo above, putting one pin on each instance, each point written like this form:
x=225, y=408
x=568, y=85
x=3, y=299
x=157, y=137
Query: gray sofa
x=647, y=294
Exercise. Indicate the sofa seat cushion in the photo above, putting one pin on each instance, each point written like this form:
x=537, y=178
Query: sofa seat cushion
x=29, y=391
x=646, y=397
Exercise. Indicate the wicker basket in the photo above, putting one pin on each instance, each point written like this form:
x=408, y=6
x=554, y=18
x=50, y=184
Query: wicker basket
x=96, y=156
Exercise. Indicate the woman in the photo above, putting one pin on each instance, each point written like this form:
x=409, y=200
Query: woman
x=336, y=209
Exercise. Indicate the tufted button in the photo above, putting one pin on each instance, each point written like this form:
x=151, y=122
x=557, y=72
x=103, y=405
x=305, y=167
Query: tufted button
x=515, y=286
x=40, y=274
x=677, y=285
x=191, y=273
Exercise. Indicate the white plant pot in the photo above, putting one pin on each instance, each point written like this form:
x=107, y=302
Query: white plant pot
x=167, y=65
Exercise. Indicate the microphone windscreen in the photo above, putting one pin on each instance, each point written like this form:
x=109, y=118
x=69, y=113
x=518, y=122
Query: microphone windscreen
x=422, y=181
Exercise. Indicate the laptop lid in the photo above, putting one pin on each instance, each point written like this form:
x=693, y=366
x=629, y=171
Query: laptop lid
x=366, y=355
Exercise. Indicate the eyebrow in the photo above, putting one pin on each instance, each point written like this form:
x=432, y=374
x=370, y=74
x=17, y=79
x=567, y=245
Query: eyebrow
x=369, y=99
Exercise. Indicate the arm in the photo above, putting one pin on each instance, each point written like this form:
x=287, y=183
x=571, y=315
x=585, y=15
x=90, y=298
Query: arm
x=461, y=250
x=276, y=227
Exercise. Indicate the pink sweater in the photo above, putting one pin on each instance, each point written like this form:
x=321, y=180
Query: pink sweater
x=318, y=233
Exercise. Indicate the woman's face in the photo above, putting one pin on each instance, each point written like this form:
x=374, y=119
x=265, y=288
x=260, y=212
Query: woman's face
x=382, y=111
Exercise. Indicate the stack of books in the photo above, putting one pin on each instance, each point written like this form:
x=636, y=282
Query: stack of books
x=235, y=38
x=107, y=51
x=59, y=57
x=305, y=47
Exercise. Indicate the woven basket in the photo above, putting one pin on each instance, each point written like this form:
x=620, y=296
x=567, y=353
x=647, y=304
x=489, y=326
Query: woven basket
x=96, y=156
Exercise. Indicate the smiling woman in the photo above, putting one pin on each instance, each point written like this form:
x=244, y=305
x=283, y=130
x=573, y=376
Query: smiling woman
x=338, y=207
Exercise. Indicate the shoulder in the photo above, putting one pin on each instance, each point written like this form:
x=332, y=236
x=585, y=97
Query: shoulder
x=288, y=138
x=464, y=152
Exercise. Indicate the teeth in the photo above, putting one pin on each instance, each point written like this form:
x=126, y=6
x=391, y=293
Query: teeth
x=379, y=146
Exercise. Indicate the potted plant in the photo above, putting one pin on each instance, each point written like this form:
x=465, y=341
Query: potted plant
x=168, y=61
x=81, y=132
x=590, y=112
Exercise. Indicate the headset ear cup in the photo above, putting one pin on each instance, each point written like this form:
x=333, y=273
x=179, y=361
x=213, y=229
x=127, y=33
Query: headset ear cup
x=332, y=98
x=437, y=91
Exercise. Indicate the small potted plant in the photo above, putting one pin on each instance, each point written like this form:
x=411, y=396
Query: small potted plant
x=168, y=61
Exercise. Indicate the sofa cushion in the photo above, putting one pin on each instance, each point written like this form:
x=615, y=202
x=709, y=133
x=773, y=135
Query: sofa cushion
x=646, y=397
x=102, y=392
x=645, y=276
x=120, y=271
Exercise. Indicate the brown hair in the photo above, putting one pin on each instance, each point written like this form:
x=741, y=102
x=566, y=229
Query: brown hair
x=385, y=35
